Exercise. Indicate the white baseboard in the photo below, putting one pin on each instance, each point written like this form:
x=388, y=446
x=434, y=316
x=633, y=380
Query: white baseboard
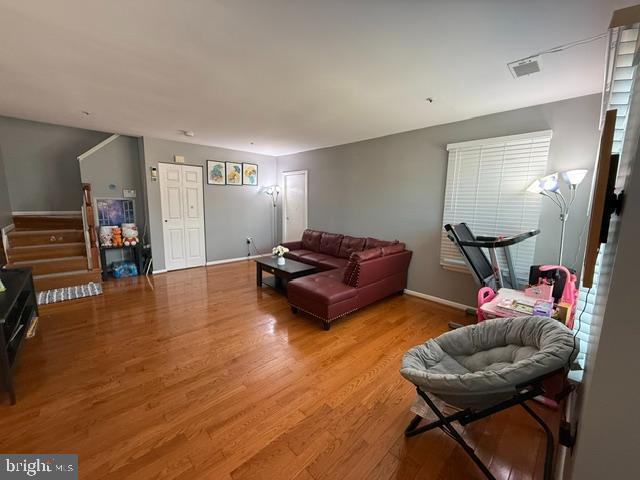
x=238, y=259
x=449, y=303
x=219, y=262
x=50, y=213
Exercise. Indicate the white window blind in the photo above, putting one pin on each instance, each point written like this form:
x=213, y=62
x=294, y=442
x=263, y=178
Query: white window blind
x=621, y=93
x=486, y=188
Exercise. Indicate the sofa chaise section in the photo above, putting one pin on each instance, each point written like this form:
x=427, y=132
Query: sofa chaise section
x=355, y=273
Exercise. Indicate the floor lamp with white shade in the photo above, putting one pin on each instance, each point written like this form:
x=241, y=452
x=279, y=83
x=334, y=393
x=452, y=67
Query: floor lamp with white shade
x=549, y=186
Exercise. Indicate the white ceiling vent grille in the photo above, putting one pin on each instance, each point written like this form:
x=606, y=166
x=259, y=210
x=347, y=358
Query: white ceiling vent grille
x=527, y=66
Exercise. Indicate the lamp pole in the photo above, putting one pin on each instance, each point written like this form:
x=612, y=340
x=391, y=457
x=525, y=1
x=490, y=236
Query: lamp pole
x=274, y=192
x=559, y=199
x=274, y=224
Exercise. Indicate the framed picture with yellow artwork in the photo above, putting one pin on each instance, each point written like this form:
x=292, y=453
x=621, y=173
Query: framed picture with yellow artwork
x=234, y=173
x=250, y=174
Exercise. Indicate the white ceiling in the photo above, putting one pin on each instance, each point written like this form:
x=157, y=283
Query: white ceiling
x=288, y=75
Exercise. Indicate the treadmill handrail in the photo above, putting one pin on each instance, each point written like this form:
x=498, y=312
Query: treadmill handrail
x=498, y=242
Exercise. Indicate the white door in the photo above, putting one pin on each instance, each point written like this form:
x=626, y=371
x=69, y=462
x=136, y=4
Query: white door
x=193, y=216
x=294, y=205
x=182, y=204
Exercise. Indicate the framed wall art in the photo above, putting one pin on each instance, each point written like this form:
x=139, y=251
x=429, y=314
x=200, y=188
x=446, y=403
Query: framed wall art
x=234, y=173
x=216, y=172
x=250, y=174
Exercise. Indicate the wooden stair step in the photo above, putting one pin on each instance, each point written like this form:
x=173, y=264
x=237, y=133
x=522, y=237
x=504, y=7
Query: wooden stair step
x=48, y=222
x=18, y=238
x=66, y=279
x=40, y=252
x=53, y=265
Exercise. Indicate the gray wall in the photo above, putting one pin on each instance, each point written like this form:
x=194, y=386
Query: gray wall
x=116, y=164
x=5, y=203
x=41, y=163
x=393, y=187
x=231, y=212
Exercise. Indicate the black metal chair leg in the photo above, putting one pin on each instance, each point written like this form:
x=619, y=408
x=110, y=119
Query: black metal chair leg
x=411, y=428
x=448, y=427
x=548, y=458
x=467, y=448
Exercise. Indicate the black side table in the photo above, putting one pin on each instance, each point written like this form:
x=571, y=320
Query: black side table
x=137, y=257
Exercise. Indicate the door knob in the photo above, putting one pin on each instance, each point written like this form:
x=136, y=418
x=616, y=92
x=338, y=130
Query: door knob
x=165, y=221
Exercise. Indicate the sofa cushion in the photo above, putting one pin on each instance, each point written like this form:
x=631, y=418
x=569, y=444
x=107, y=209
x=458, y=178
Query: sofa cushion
x=394, y=248
x=297, y=254
x=350, y=245
x=375, y=243
x=324, y=261
x=333, y=262
x=336, y=273
x=296, y=245
x=365, y=255
x=330, y=243
x=311, y=240
x=322, y=287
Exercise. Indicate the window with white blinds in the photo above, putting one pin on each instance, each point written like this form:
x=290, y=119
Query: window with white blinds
x=621, y=92
x=486, y=188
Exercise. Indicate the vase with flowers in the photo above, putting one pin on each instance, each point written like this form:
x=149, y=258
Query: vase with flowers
x=279, y=251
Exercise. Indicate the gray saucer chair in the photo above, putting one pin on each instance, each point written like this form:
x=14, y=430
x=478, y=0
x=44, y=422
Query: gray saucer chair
x=488, y=367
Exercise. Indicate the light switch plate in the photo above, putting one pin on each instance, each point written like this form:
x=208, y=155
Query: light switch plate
x=178, y=158
x=129, y=193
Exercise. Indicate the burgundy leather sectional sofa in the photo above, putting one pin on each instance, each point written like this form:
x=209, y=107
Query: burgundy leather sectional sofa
x=355, y=272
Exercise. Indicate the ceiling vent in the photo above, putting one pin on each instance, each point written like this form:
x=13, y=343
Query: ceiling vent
x=526, y=66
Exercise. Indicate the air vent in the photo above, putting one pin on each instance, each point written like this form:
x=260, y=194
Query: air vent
x=520, y=68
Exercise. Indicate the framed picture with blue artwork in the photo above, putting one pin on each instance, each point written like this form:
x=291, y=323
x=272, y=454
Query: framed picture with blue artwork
x=115, y=211
x=216, y=172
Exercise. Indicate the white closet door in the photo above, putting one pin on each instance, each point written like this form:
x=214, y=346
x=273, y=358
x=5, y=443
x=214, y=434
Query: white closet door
x=171, y=199
x=193, y=216
x=294, y=218
x=182, y=205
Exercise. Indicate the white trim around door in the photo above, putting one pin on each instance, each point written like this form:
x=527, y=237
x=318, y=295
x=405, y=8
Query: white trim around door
x=284, y=201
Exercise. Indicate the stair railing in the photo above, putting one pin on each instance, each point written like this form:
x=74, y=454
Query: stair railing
x=89, y=222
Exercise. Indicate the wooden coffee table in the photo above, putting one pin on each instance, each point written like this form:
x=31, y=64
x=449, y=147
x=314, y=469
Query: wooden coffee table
x=282, y=274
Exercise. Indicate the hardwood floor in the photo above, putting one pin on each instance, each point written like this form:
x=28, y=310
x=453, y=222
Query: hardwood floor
x=199, y=374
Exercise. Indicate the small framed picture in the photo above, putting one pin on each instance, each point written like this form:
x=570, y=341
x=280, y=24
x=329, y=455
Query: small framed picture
x=249, y=174
x=216, y=172
x=234, y=173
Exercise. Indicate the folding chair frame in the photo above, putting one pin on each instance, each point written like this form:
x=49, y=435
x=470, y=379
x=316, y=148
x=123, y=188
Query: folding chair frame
x=464, y=417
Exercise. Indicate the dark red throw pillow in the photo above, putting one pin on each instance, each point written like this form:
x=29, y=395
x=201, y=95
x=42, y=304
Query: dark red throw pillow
x=375, y=243
x=393, y=248
x=350, y=273
x=365, y=255
x=330, y=243
x=350, y=245
x=311, y=240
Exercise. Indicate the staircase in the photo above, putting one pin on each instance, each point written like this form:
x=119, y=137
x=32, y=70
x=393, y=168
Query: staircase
x=54, y=247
